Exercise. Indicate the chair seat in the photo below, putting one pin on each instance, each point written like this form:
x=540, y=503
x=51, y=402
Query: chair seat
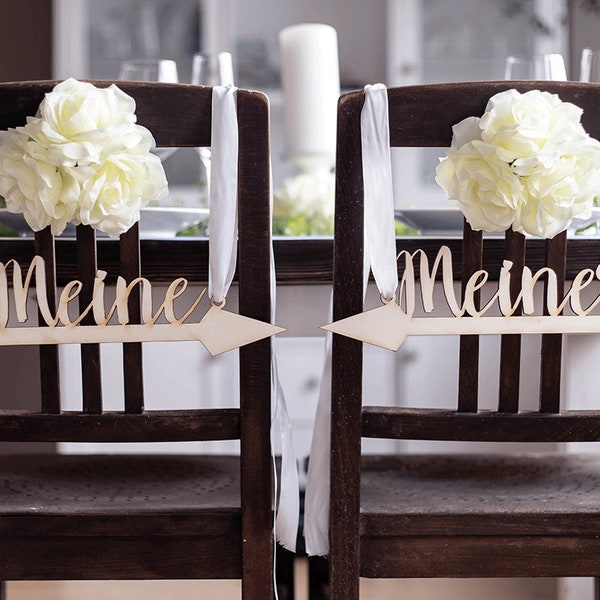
x=185, y=506
x=115, y=484
x=434, y=506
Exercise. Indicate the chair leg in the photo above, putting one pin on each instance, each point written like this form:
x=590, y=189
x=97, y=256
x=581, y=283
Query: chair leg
x=318, y=578
x=2, y=590
x=596, y=588
x=285, y=573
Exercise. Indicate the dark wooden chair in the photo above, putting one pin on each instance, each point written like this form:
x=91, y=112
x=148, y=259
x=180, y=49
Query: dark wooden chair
x=445, y=514
x=165, y=516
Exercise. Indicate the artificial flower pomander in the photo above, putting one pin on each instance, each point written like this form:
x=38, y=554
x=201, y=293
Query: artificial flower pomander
x=526, y=164
x=81, y=159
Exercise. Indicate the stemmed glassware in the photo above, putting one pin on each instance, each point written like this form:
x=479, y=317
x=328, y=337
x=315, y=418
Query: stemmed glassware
x=211, y=70
x=149, y=70
x=590, y=65
x=519, y=68
x=549, y=67
x=589, y=71
x=159, y=69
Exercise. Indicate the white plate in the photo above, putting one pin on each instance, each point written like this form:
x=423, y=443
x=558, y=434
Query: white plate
x=586, y=227
x=164, y=222
x=155, y=222
x=434, y=221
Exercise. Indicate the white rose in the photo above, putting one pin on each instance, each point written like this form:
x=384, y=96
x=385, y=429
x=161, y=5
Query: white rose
x=113, y=192
x=465, y=131
x=554, y=197
x=33, y=186
x=526, y=163
x=487, y=191
x=80, y=124
x=83, y=159
x=529, y=129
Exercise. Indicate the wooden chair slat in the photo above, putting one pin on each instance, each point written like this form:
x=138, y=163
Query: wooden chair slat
x=254, y=216
x=91, y=375
x=510, y=345
x=133, y=379
x=155, y=426
x=484, y=426
x=551, y=358
x=468, y=375
x=49, y=361
x=348, y=300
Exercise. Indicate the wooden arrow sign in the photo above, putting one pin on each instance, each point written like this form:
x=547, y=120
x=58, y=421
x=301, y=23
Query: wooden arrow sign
x=218, y=330
x=388, y=326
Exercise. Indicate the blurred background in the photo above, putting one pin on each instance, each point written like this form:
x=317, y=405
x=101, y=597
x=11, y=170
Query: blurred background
x=397, y=42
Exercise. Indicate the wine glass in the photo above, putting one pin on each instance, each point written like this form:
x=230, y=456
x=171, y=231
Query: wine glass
x=589, y=71
x=590, y=65
x=553, y=67
x=519, y=68
x=149, y=69
x=211, y=70
x=549, y=67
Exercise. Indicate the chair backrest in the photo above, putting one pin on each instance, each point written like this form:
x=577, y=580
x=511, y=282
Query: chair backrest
x=423, y=116
x=177, y=116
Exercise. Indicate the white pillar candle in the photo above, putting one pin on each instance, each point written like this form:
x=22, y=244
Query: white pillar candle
x=311, y=87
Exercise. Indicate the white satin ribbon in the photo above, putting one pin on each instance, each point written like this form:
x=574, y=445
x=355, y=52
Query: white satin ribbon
x=380, y=233
x=288, y=508
x=222, y=243
x=316, y=498
x=222, y=263
x=380, y=258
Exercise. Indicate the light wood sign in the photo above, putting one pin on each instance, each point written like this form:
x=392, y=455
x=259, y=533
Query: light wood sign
x=389, y=325
x=218, y=330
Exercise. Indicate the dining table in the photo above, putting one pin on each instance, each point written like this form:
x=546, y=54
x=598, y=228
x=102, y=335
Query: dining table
x=298, y=260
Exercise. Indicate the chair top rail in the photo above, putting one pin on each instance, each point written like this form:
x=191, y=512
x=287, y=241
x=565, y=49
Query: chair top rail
x=423, y=115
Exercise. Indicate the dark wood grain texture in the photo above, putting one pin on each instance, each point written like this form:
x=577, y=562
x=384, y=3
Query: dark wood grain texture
x=298, y=261
x=412, y=106
x=514, y=556
x=468, y=372
x=91, y=367
x=347, y=354
x=190, y=128
x=153, y=426
x=49, y=368
x=483, y=426
x=446, y=514
x=133, y=380
x=551, y=360
x=510, y=345
x=254, y=222
x=150, y=515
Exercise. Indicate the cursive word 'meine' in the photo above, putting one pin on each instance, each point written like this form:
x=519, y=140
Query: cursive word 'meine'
x=427, y=277
x=71, y=291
